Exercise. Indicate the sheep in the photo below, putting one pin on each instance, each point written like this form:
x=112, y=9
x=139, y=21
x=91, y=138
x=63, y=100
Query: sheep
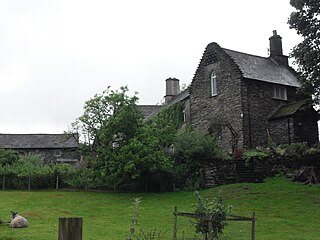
x=18, y=221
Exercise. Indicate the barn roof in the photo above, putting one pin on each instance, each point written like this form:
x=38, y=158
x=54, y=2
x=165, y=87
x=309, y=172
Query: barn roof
x=37, y=141
x=263, y=69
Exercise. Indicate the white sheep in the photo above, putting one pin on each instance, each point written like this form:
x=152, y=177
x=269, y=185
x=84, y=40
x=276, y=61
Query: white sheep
x=18, y=221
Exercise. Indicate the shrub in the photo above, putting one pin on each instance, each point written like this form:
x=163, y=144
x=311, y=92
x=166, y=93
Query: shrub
x=292, y=150
x=213, y=210
x=255, y=154
x=192, y=150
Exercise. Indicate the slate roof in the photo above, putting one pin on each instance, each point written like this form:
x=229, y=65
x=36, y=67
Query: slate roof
x=263, y=69
x=149, y=110
x=288, y=109
x=38, y=141
x=180, y=97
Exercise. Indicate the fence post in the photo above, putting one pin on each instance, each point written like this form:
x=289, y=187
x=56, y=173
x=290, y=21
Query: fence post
x=70, y=229
x=253, y=226
x=210, y=237
x=175, y=223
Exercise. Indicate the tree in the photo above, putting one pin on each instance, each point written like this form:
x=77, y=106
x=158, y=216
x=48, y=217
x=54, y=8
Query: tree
x=143, y=156
x=60, y=170
x=306, y=21
x=109, y=118
x=110, y=121
x=30, y=166
x=7, y=159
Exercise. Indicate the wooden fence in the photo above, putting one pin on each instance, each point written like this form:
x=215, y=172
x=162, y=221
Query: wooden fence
x=209, y=220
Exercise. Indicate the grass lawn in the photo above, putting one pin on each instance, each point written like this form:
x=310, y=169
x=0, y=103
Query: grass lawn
x=284, y=210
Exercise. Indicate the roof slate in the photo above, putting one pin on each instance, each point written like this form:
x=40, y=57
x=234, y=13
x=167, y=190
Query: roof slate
x=288, y=109
x=149, y=110
x=263, y=69
x=180, y=97
x=38, y=141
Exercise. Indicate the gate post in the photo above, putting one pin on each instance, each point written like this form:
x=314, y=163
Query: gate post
x=70, y=229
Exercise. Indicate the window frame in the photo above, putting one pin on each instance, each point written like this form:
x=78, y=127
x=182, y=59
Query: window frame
x=279, y=92
x=213, y=84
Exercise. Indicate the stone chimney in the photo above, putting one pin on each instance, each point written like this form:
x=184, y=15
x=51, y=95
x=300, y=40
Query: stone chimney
x=276, y=52
x=172, y=89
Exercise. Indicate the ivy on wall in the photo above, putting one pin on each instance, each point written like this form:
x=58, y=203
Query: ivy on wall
x=168, y=121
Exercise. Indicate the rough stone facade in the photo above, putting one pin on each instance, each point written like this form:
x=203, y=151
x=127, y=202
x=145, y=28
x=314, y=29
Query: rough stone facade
x=221, y=112
x=67, y=155
x=258, y=104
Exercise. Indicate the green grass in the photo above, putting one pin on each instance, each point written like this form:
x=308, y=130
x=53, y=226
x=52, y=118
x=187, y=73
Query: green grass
x=284, y=210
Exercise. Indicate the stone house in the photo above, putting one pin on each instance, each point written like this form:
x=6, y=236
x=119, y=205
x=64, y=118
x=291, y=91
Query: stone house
x=53, y=147
x=246, y=100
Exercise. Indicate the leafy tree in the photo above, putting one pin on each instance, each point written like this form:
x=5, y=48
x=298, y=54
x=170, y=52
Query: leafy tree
x=110, y=121
x=109, y=118
x=30, y=166
x=7, y=159
x=306, y=21
x=60, y=170
x=143, y=156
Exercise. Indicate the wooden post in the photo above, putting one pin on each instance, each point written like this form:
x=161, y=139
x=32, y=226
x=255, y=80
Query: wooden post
x=210, y=237
x=70, y=229
x=253, y=226
x=175, y=223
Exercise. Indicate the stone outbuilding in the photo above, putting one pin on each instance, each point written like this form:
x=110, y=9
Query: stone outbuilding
x=54, y=148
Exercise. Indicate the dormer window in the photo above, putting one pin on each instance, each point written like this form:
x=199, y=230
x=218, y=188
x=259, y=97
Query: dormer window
x=280, y=92
x=213, y=84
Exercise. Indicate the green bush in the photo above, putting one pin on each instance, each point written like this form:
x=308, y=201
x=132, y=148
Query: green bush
x=191, y=151
x=292, y=150
x=255, y=154
x=214, y=210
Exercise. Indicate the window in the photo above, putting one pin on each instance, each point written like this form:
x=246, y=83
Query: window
x=213, y=84
x=57, y=153
x=184, y=116
x=280, y=92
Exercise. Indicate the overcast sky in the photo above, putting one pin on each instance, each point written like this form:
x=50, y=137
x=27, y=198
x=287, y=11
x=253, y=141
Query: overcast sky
x=55, y=55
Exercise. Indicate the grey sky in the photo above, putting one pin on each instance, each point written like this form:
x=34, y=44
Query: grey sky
x=55, y=55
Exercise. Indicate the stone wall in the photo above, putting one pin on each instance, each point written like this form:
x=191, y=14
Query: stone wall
x=258, y=106
x=281, y=131
x=52, y=155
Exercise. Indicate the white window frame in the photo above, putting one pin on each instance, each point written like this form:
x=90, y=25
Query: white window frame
x=213, y=81
x=184, y=116
x=280, y=92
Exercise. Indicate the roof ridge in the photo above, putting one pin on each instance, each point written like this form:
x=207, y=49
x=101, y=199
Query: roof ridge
x=253, y=55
